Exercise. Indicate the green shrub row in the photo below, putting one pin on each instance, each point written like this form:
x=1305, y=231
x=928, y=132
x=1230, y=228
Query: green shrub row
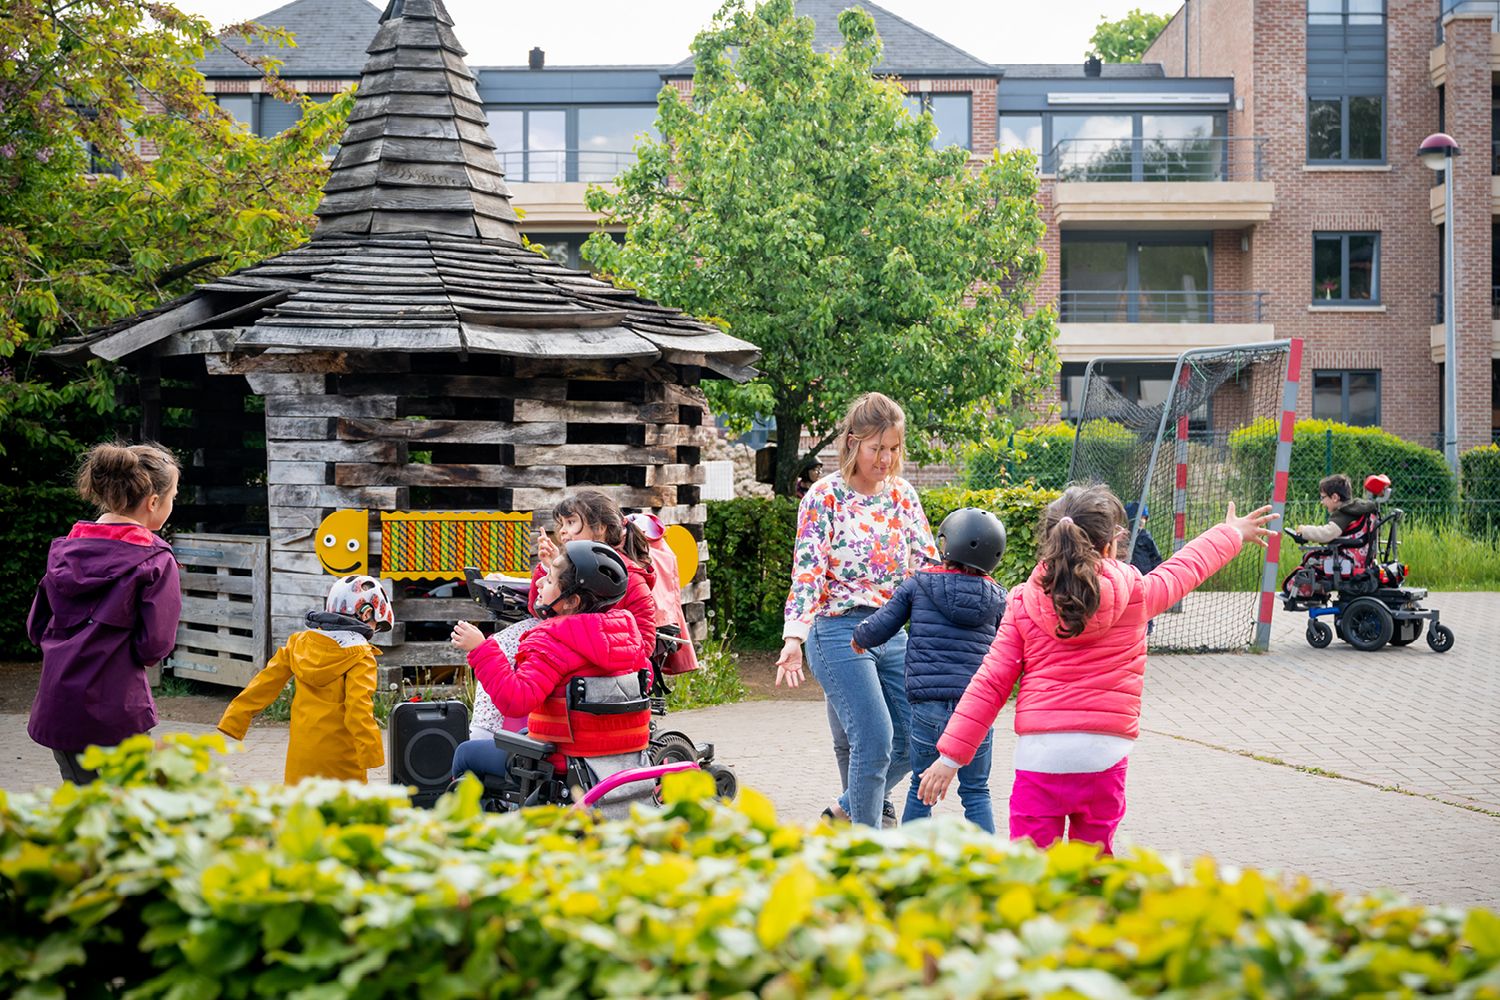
x=1040, y=455
x=1480, y=474
x=163, y=881
x=750, y=541
x=30, y=517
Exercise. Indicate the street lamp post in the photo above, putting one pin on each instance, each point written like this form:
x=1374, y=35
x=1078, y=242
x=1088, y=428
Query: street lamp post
x=1437, y=152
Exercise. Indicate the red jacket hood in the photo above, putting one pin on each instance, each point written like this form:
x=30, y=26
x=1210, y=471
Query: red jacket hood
x=646, y=572
x=1115, y=583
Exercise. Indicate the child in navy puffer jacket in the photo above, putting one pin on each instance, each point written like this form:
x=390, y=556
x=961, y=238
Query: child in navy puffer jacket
x=954, y=610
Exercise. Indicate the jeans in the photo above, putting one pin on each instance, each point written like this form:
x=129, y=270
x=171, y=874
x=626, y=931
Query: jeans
x=840, y=745
x=482, y=758
x=67, y=764
x=928, y=720
x=868, y=694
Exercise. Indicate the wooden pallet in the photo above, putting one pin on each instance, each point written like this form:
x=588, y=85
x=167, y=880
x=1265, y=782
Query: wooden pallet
x=224, y=634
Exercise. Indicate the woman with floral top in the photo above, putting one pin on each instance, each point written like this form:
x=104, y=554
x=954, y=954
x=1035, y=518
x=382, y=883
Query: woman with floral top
x=860, y=532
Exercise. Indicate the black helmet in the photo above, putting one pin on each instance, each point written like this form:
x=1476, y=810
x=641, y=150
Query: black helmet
x=599, y=571
x=972, y=537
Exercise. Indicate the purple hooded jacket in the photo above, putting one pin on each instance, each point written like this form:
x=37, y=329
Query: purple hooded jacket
x=107, y=608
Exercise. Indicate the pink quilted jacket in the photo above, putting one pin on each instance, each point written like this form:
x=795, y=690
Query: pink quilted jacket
x=1090, y=683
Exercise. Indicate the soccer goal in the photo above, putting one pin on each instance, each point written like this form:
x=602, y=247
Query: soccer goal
x=1182, y=438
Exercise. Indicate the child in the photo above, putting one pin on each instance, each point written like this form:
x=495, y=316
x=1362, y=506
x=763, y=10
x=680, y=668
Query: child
x=583, y=634
x=590, y=516
x=1145, y=556
x=954, y=609
x=667, y=592
x=1334, y=494
x=107, y=607
x=334, y=734
x=1075, y=636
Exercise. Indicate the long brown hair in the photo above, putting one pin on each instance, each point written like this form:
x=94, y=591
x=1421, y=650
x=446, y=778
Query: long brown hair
x=118, y=477
x=1077, y=530
x=603, y=516
x=869, y=416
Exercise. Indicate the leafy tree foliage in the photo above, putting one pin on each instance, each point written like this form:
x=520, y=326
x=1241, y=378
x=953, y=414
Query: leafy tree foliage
x=792, y=196
x=91, y=230
x=1125, y=40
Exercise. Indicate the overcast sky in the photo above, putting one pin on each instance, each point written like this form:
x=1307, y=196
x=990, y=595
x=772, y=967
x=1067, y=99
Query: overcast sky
x=582, y=32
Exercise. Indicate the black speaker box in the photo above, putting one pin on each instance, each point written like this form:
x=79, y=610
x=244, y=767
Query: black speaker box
x=423, y=736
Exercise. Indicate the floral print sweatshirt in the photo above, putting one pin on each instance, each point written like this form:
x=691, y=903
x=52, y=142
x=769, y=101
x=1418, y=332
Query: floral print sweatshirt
x=853, y=550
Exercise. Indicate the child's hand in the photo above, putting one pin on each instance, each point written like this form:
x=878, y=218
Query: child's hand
x=935, y=782
x=1252, y=527
x=545, y=550
x=856, y=646
x=466, y=636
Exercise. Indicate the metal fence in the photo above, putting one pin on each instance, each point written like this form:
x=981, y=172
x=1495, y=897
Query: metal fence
x=1204, y=158
x=1490, y=7
x=1141, y=306
x=1437, y=305
x=556, y=165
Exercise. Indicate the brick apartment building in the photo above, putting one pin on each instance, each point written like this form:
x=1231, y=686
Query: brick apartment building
x=1254, y=178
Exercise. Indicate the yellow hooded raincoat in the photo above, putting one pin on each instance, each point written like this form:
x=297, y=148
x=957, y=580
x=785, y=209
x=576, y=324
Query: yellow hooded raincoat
x=334, y=734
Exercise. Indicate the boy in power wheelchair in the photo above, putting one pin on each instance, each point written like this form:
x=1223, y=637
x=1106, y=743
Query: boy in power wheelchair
x=582, y=678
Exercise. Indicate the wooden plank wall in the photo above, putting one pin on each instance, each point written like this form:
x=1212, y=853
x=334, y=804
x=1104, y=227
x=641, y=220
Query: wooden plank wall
x=224, y=633
x=436, y=432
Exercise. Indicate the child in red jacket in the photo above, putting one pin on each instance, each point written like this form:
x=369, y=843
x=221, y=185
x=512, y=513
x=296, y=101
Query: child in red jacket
x=1074, y=635
x=582, y=634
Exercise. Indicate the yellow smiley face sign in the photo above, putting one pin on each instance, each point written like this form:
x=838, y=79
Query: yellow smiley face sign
x=343, y=542
x=685, y=547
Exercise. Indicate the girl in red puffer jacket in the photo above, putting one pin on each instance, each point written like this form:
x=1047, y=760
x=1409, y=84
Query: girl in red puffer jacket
x=1074, y=635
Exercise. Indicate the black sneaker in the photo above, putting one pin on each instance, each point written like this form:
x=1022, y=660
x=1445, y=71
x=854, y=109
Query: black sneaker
x=888, y=815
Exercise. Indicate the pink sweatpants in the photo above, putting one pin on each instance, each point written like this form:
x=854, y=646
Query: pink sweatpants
x=1090, y=805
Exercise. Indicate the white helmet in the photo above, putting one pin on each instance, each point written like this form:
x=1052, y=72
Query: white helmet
x=363, y=598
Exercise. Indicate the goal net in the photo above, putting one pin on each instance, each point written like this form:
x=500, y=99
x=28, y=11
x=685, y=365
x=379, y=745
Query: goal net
x=1181, y=439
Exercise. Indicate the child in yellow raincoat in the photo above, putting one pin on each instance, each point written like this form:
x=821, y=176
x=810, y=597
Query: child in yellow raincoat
x=334, y=734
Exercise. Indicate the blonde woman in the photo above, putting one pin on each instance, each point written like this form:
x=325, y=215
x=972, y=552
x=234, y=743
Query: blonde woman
x=860, y=532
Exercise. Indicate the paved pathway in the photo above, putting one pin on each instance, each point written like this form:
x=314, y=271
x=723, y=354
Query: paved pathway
x=1410, y=718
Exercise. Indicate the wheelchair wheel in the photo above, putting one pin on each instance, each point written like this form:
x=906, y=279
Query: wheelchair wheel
x=1318, y=634
x=726, y=785
x=1407, y=632
x=673, y=748
x=1440, y=638
x=1368, y=624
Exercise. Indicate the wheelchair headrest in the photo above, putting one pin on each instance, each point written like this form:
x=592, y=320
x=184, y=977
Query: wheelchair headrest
x=1378, y=487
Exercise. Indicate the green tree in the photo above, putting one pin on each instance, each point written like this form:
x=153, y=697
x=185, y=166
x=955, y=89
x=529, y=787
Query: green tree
x=1125, y=40
x=793, y=197
x=87, y=84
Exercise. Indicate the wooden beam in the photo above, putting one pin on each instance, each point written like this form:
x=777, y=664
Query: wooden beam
x=627, y=496
x=194, y=312
x=465, y=386
x=289, y=362
x=547, y=476
x=594, y=412
x=418, y=432
x=592, y=454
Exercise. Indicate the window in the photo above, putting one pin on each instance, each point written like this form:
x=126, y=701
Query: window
x=606, y=138
x=950, y=113
x=1138, y=147
x=1093, y=147
x=1161, y=279
x=241, y=107
x=1143, y=384
x=531, y=144
x=1021, y=132
x=1350, y=397
x=1346, y=81
x=1346, y=268
x=591, y=143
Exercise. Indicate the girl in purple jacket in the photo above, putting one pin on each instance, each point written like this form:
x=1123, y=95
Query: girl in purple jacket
x=107, y=607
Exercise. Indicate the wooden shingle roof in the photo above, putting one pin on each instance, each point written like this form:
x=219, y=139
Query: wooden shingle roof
x=416, y=247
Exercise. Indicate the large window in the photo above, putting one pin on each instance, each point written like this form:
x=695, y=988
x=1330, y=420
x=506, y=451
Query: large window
x=1142, y=384
x=1138, y=147
x=241, y=107
x=591, y=143
x=606, y=138
x=1346, y=81
x=1156, y=279
x=1349, y=397
x=951, y=115
x=1346, y=269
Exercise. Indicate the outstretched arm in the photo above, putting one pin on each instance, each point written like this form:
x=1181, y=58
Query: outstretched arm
x=879, y=627
x=260, y=692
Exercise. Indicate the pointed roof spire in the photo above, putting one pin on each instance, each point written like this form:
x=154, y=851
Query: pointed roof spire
x=416, y=156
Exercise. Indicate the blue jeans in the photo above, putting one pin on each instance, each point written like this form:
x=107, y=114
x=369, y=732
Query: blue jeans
x=868, y=694
x=928, y=720
x=482, y=758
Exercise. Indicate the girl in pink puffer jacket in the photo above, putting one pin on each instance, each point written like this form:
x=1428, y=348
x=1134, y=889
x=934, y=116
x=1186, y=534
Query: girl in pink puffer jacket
x=1074, y=634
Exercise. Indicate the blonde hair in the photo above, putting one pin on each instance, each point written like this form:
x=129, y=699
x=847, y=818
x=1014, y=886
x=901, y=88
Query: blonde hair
x=118, y=477
x=871, y=414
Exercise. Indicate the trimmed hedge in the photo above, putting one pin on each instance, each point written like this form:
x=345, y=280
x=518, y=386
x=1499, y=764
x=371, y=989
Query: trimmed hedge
x=162, y=880
x=1480, y=468
x=1040, y=455
x=1420, y=478
x=30, y=517
x=750, y=541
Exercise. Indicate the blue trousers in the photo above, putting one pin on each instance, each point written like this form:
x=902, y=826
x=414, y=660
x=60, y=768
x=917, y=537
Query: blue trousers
x=868, y=694
x=928, y=720
x=480, y=758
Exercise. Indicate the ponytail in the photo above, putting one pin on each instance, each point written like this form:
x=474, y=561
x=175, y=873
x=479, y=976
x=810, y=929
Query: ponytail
x=1078, y=529
x=603, y=516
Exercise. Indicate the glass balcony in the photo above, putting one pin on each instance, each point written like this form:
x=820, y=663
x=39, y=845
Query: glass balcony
x=1201, y=158
x=551, y=166
x=1490, y=7
x=1129, y=306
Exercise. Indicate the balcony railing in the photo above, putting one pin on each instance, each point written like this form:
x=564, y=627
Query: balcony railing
x=1490, y=7
x=543, y=166
x=1211, y=158
x=1437, y=305
x=1160, y=307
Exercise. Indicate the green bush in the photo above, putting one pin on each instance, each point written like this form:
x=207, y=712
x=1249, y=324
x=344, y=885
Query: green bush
x=30, y=517
x=1421, y=480
x=161, y=880
x=1480, y=468
x=750, y=541
x=1041, y=456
